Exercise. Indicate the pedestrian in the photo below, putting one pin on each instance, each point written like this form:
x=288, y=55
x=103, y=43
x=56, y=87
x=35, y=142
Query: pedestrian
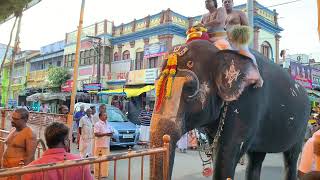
x=76, y=121
x=44, y=108
x=102, y=109
x=63, y=109
x=21, y=142
x=102, y=132
x=182, y=144
x=145, y=119
x=56, y=135
x=307, y=161
x=192, y=139
x=86, y=134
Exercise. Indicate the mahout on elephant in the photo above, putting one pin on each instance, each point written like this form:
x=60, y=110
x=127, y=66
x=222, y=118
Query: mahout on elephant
x=203, y=86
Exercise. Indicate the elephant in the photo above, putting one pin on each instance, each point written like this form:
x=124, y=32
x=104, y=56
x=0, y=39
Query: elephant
x=214, y=89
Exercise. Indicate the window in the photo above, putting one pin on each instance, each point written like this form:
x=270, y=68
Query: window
x=126, y=55
x=139, y=60
x=115, y=57
x=59, y=63
x=153, y=62
x=266, y=49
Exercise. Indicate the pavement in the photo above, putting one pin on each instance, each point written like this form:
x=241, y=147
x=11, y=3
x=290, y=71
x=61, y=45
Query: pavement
x=188, y=166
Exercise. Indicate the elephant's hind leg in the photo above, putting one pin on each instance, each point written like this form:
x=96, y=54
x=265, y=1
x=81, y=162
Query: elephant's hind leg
x=254, y=165
x=290, y=161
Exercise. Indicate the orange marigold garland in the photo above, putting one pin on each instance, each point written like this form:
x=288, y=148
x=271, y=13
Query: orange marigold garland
x=164, y=85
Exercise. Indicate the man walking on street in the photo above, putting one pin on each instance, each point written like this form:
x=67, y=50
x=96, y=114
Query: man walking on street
x=102, y=132
x=86, y=134
x=145, y=118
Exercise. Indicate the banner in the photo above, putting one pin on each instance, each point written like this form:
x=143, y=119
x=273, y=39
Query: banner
x=144, y=76
x=315, y=74
x=92, y=87
x=155, y=50
x=302, y=74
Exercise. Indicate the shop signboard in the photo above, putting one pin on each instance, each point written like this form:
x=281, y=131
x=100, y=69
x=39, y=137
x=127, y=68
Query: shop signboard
x=92, y=87
x=51, y=48
x=70, y=49
x=155, y=50
x=301, y=74
x=121, y=66
x=67, y=86
x=117, y=76
x=145, y=76
x=315, y=75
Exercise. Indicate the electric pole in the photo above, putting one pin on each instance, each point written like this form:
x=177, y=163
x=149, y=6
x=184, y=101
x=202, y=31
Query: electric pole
x=250, y=13
x=97, y=48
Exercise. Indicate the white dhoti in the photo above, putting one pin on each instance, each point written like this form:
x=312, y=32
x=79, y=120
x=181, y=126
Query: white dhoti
x=183, y=142
x=144, y=133
x=85, y=147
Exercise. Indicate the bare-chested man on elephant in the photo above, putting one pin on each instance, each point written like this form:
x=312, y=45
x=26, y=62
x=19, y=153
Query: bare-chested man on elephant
x=214, y=22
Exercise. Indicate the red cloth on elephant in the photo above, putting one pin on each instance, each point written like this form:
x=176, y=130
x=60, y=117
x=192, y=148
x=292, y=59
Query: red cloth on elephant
x=204, y=36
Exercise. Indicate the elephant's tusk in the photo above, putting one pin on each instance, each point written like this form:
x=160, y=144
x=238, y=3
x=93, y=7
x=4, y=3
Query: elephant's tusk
x=195, y=77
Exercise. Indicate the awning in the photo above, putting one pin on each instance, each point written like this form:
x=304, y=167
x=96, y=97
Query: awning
x=128, y=92
x=48, y=96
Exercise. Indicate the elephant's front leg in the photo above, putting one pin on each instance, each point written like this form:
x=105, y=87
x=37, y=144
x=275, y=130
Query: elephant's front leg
x=226, y=161
x=233, y=143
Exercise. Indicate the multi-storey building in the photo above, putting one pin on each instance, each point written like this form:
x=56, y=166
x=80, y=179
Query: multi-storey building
x=19, y=77
x=50, y=55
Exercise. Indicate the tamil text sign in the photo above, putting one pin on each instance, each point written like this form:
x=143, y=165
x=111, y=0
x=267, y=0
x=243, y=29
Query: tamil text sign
x=145, y=76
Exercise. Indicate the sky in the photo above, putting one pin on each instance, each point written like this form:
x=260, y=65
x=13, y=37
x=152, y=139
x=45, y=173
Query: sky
x=50, y=20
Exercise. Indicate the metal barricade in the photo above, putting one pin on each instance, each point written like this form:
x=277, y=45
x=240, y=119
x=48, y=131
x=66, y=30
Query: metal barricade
x=19, y=171
x=37, y=121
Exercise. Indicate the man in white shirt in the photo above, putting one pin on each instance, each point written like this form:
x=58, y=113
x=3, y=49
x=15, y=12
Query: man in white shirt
x=86, y=134
x=102, y=109
x=102, y=132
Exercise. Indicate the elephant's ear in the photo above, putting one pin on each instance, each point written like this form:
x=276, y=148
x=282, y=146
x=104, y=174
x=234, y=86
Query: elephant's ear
x=233, y=74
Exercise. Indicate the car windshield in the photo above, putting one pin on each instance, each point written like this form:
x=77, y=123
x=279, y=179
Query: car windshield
x=114, y=115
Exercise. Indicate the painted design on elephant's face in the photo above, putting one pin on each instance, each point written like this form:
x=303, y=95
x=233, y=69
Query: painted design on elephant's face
x=232, y=74
x=204, y=91
x=293, y=92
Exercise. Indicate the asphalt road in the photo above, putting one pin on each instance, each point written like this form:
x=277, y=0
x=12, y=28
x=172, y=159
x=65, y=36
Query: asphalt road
x=188, y=167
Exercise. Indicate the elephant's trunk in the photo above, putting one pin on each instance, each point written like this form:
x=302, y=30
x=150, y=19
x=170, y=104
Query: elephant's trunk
x=167, y=121
x=168, y=127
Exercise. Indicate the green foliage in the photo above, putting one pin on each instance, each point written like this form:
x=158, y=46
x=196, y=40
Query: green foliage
x=58, y=76
x=9, y=7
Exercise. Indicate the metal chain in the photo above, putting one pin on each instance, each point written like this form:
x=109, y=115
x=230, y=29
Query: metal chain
x=212, y=148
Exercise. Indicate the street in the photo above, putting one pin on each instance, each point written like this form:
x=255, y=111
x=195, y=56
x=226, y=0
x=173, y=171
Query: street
x=188, y=167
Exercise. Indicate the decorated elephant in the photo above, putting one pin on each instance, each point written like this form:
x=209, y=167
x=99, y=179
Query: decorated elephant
x=202, y=86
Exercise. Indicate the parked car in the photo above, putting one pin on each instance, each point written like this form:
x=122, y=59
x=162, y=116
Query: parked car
x=125, y=132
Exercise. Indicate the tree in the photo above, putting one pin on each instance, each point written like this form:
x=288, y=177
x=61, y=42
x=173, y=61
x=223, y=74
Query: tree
x=57, y=76
x=9, y=7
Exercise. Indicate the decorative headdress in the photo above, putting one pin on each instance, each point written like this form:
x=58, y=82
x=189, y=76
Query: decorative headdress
x=197, y=32
x=164, y=85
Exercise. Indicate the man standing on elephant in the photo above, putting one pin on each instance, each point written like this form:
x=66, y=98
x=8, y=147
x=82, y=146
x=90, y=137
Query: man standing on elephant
x=238, y=32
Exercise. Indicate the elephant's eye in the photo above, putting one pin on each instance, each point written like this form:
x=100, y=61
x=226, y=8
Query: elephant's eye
x=190, y=87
